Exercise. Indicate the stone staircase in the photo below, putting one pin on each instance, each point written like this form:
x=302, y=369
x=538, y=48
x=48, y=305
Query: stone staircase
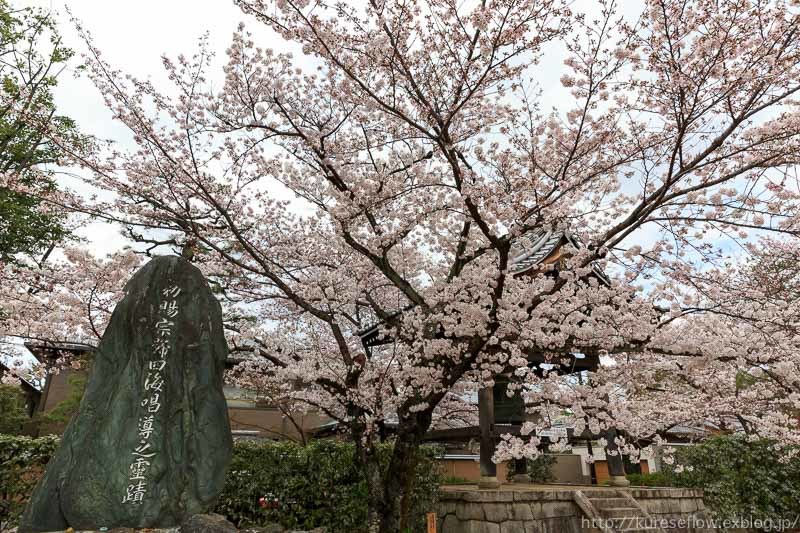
x=614, y=511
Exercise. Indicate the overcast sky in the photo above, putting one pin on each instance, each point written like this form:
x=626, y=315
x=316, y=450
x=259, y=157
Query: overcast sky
x=133, y=36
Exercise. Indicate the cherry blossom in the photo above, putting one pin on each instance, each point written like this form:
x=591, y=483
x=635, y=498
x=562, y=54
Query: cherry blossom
x=384, y=178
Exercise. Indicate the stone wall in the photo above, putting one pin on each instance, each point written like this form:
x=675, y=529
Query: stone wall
x=539, y=509
x=680, y=510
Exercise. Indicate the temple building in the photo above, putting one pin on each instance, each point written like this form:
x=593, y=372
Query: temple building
x=534, y=252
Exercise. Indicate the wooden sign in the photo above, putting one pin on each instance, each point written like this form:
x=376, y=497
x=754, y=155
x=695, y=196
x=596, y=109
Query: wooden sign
x=431, y=522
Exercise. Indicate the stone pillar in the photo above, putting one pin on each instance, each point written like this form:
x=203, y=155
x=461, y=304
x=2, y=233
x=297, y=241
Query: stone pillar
x=486, y=422
x=592, y=469
x=616, y=466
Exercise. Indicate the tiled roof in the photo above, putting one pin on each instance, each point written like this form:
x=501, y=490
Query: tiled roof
x=43, y=351
x=25, y=383
x=530, y=249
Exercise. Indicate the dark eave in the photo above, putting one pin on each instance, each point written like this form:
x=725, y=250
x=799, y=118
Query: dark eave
x=47, y=352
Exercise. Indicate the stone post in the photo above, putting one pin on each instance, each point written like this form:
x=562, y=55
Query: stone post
x=616, y=466
x=150, y=443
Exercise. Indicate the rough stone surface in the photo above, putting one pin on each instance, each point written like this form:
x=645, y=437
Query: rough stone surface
x=89, y=476
x=561, y=525
x=533, y=526
x=450, y=523
x=207, y=523
x=496, y=512
x=476, y=526
x=521, y=511
x=488, y=496
x=556, y=509
x=512, y=526
x=470, y=511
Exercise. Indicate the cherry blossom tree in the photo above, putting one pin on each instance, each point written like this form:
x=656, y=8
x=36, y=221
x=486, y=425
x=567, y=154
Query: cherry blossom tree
x=724, y=356
x=388, y=175
x=69, y=299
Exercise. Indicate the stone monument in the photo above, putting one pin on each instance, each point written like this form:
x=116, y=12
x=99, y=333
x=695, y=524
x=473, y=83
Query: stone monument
x=150, y=443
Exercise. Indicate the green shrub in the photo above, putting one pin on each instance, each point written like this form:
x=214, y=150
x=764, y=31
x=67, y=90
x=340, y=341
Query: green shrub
x=13, y=413
x=654, y=479
x=455, y=480
x=741, y=477
x=22, y=462
x=321, y=484
x=540, y=468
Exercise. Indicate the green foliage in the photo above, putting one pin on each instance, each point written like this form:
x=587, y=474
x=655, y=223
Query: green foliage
x=321, y=484
x=654, y=479
x=540, y=469
x=742, y=478
x=455, y=480
x=31, y=57
x=13, y=413
x=25, y=227
x=22, y=462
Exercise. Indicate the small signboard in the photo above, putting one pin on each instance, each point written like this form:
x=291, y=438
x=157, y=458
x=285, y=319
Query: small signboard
x=552, y=433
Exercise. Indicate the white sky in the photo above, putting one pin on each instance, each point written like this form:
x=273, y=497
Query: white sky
x=133, y=36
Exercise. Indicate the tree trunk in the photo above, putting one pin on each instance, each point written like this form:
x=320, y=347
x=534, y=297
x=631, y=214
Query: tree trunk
x=400, y=476
x=370, y=459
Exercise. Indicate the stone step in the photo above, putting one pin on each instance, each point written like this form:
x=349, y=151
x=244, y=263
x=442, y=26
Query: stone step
x=600, y=494
x=620, y=512
x=604, y=503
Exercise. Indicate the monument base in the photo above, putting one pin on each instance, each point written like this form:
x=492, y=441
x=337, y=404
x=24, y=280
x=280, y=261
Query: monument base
x=619, y=481
x=488, y=482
